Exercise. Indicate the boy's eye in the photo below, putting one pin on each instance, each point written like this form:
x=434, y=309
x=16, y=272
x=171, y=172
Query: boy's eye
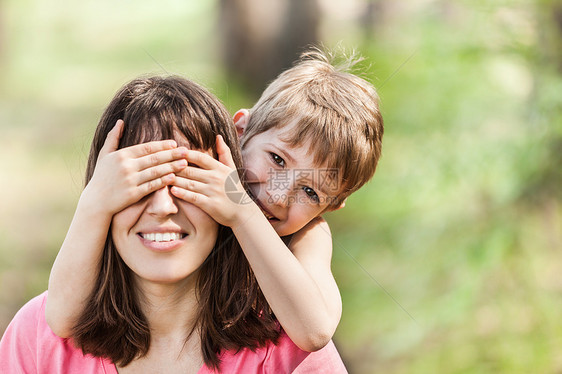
x=277, y=159
x=312, y=194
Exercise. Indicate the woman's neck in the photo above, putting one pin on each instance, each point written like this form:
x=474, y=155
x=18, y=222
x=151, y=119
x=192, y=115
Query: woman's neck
x=171, y=311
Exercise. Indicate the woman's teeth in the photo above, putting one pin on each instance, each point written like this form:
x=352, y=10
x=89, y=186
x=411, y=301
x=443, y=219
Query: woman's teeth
x=162, y=237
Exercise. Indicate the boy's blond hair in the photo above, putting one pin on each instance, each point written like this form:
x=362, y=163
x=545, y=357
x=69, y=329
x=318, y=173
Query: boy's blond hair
x=337, y=111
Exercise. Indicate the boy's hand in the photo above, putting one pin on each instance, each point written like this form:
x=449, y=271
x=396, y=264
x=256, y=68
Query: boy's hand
x=214, y=186
x=123, y=177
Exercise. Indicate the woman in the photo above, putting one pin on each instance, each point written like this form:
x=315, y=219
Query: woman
x=174, y=292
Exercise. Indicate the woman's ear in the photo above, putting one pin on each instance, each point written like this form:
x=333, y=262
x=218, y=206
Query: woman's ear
x=241, y=119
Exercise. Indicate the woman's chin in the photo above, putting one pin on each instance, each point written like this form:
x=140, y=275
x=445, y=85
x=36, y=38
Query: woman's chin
x=165, y=277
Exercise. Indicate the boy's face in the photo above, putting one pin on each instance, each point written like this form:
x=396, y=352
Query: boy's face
x=284, y=181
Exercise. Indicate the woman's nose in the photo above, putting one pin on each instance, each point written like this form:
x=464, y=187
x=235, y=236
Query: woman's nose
x=161, y=203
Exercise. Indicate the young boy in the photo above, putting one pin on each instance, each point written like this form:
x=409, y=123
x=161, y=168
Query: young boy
x=312, y=139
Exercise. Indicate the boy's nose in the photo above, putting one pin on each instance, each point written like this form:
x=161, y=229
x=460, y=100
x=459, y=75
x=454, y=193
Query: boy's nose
x=162, y=203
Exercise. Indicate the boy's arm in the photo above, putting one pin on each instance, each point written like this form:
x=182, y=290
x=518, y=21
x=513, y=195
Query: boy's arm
x=76, y=266
x=298, y=286
x=312, y=246
x=120, y=179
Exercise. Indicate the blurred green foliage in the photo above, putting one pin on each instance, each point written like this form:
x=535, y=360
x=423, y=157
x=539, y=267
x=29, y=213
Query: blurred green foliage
x=448, y=261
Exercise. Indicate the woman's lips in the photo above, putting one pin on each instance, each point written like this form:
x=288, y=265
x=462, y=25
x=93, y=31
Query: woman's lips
x=162, y=241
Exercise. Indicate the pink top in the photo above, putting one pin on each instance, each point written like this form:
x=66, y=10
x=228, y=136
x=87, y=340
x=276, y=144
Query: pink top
x=29, y=346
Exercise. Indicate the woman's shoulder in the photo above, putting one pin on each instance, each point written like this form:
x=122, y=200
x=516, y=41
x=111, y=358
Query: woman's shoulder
x=26, y=321
x=35, y=306
x=29, y=345
x=283, y=357
x=29, y=323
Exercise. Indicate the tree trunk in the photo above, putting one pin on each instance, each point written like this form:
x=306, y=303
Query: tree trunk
x=260, y=39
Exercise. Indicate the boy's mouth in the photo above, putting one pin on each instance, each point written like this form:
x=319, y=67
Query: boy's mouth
x=270, y=217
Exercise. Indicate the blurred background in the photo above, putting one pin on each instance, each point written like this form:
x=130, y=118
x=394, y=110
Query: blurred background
x=449, y=260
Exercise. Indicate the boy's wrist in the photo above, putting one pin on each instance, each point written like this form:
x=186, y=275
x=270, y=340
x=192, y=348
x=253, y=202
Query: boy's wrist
x=91, y=203
x=247, y=212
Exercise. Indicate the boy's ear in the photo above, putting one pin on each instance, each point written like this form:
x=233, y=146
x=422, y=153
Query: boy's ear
x=241, y=119
x=342, y=205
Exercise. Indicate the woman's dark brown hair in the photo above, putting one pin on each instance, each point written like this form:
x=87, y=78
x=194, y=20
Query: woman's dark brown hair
x=233, y=312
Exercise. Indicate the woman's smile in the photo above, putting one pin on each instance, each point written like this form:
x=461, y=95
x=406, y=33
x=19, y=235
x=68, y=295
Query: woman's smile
x=163, y=238
x=162, y=241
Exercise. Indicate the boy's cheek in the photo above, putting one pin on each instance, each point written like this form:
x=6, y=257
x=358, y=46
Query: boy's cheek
x=257, y=171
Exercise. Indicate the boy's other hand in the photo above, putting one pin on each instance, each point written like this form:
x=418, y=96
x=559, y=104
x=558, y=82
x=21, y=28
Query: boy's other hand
x=123, y=177
x=213, y=185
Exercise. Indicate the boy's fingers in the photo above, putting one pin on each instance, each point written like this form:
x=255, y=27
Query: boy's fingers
x=162, y=157
x=223, y=151
x=201, y=159
x=140, y=150
x=189, y=196
x=156, y=184
x=160, y=171
x=191, y=185
x=112, y=140
x=191, y=172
